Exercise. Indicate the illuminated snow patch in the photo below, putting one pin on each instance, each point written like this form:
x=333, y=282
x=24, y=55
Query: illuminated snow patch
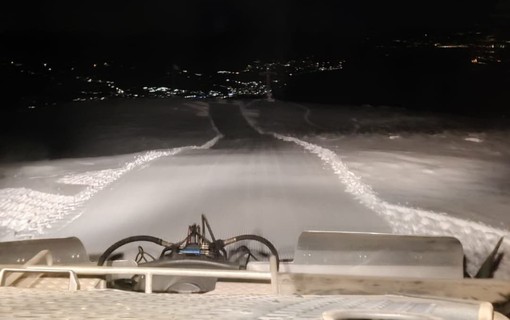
x=92, y=178
x=28, y=211
x=473, y=139
x=477, y=239
x=25, y=213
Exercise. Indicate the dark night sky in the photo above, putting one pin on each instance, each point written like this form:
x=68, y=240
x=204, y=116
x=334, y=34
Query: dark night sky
x=204, y=36
x=253, y=17
x=200, y=28
x=210, y=17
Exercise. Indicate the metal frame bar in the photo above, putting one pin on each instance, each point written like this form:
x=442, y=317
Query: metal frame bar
x=150, y=272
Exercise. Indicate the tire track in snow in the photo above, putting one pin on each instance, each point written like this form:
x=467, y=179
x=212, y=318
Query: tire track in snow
x=477, y=238
x=26, y=213
x=306, y=117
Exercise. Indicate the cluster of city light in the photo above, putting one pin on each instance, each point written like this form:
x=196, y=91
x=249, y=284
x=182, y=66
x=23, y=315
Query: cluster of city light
x=221, y=91
x=227, y=72
x=89, y=87
x=166, y=92
x=245, y=88
x=250, y=81
x=293, y=67
x=109, y=90
x=256, y=79
x=484, y=49
x=253, y=80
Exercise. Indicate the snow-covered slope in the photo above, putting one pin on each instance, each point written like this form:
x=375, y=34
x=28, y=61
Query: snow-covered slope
x=423, y=192
x=301, y=166
x=39, y=196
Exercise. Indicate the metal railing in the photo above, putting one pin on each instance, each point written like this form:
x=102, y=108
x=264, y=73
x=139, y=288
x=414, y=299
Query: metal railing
x=74, y=271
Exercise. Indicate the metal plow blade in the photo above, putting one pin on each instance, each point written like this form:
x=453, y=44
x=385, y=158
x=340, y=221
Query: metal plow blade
x=386, y=255
x=61, y=251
